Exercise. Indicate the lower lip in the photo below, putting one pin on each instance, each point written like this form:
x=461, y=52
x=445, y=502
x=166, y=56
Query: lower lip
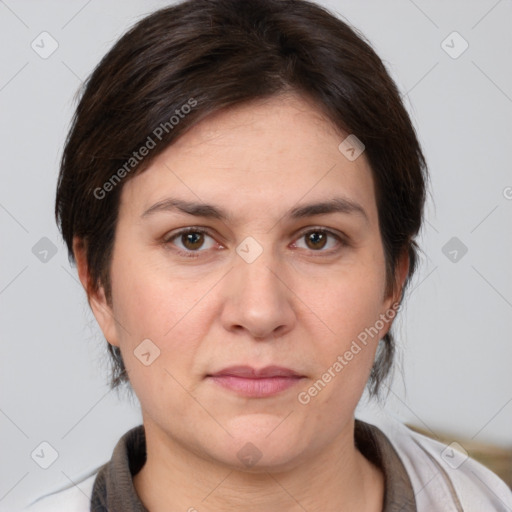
x=257, y=388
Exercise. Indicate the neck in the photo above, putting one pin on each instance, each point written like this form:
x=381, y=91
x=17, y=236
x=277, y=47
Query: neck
x=338, y=479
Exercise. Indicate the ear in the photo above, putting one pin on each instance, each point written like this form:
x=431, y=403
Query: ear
x=97, y=300
x=401, y=272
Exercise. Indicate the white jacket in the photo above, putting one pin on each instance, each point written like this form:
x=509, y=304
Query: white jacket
x=443, y=479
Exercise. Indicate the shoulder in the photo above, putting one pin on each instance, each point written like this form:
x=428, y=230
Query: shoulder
x=75, y=498
x=444, y=478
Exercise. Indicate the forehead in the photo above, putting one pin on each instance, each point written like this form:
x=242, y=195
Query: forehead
x=265, y=155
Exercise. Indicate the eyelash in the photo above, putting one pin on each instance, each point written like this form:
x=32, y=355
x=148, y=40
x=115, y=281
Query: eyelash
x=196, y=254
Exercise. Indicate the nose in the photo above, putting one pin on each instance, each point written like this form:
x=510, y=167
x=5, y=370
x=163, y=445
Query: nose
x=258, y=299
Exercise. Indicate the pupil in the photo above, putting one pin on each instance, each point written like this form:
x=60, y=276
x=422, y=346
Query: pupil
x=190, y=240
x=315, y=237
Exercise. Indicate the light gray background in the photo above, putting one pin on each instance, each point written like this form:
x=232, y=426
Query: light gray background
x=454, y=332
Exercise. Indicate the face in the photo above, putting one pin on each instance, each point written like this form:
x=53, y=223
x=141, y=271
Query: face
x=249, y=328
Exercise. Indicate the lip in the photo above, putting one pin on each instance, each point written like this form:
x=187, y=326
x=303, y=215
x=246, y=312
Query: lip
x=250, y=382
x=251, y=373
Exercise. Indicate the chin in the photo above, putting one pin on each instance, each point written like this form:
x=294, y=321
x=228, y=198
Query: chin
x=260, y=445
x=251, y=459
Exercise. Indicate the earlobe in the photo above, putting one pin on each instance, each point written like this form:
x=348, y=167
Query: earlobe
x=96, y=298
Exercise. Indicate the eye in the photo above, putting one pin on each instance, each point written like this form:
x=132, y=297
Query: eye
x=318, y=238
x=192, y=239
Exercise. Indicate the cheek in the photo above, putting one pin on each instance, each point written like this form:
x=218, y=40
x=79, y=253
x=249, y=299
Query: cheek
x=148, y=302
x=149, y=308
x=349, y=303
x=169, y=313
x=346, y=336
x=142, y=307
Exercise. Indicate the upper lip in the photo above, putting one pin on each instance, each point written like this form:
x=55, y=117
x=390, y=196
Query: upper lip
x=252, y=373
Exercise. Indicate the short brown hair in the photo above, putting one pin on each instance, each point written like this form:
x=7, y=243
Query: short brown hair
x=221, y=53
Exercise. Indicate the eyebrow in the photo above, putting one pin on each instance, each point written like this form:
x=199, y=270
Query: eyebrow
x=334, y=205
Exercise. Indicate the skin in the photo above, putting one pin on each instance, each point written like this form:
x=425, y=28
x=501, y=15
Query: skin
x=298, y=305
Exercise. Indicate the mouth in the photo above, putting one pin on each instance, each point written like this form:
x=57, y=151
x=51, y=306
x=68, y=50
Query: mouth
x=250, y=382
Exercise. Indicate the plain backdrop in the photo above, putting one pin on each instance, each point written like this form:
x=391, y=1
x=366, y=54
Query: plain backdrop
x=455, y=347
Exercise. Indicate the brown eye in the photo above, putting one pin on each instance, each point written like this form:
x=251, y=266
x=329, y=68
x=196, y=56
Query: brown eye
x=190, y=242
x=318, y=239
x=193, y=240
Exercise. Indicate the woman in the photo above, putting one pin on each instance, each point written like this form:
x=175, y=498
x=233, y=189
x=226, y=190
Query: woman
x=240, y=190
